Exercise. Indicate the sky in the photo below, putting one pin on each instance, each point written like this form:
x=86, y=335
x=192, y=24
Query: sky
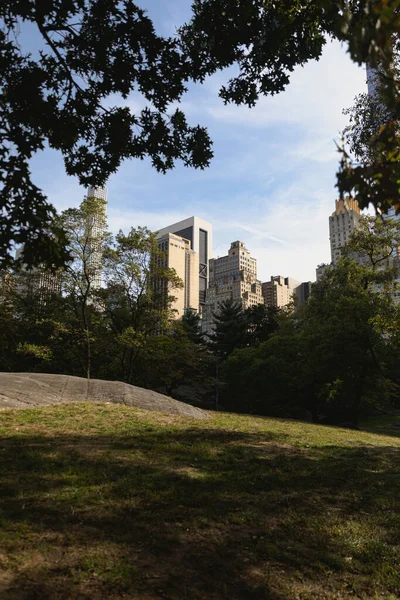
x=271, y=183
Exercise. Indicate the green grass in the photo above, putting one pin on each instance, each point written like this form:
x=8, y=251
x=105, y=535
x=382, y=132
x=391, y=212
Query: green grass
x=106, y=502
x=386, y=424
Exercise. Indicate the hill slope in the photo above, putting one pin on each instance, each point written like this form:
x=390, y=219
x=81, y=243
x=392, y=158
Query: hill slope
x=106, y=501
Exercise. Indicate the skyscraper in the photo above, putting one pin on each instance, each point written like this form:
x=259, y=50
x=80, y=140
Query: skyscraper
x=97, y=226
x=232, y=276
x=199, y=234
x=178, y=255
x=342, y=223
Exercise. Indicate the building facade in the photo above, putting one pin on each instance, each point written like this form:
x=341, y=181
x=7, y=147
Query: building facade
x=321, y=271
x=279, y=292
x=199, y=234
x=177, y=254
x=233, y=276
x=342, y=223
x=97, y=227
x=303, y=292
x=37, y=280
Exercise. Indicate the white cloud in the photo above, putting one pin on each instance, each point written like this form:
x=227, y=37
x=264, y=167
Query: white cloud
x=314, y=98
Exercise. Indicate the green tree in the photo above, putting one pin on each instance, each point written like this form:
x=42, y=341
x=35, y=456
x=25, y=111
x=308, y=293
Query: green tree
x=85, y=228
x=96, y=52
x=334, y=357
x=30, y=317
x=230, y=328
x=170, y=360
x=266, y=40
x=342, y=335
x=375, y=242
x=138, y=296
x=369, y=168
x=262, y=321
x=268, y=379
x=366, y=116
x=8, y=323
x=191, y=323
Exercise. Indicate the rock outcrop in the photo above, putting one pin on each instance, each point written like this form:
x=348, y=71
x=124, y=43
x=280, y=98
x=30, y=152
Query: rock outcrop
x=29, y=390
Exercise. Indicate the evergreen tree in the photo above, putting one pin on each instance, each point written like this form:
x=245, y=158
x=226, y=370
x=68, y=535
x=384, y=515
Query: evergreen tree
x=229, y=330
x=191, y=323
x=262, y=321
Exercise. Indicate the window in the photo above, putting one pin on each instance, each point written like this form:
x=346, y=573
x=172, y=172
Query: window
x=203, y=239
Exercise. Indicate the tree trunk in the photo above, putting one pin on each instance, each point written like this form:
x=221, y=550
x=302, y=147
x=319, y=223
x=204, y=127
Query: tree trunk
x=88, y=355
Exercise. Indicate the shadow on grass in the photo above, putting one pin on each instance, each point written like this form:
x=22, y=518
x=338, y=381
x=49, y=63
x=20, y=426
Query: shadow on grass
x=196, y=514
x=383, y=424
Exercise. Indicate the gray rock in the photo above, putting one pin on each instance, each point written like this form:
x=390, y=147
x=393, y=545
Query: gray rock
x=28, y=390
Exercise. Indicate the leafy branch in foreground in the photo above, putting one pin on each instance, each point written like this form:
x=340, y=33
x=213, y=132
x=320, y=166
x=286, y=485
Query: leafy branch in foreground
x=70, y=98
x=73, y=96
x=370, y=171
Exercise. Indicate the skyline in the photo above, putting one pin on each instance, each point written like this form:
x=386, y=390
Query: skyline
x=271, y=182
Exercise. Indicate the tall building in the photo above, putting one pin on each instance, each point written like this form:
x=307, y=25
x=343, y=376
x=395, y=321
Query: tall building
x=97, y=226
x=279, y=292
x=321, y=271
x=303, y=292
x=342, y=223
x=37, y=279
x=231, y=276
x=178, y=255
x=199, y=234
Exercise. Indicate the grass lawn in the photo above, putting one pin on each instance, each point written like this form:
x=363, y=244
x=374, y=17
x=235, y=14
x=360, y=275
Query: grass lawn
x=106, y=502
x=386, y=424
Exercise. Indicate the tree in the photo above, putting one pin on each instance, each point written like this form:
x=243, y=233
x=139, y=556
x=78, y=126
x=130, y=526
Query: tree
x=350, y=329
x=138, y=296
x=96, y=52
x=169, y=360
x=268, y=379
x=262, y=321
x=31, y=318
x=191, y=323
x=85, y=228
x=266, y=40
x=229, y=329
x=366, y=117
x=333, y=357
x=375, y=242
x=370, y=170
x=8, y=325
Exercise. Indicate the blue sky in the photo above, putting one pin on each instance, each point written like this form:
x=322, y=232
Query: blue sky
x=271, y=183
